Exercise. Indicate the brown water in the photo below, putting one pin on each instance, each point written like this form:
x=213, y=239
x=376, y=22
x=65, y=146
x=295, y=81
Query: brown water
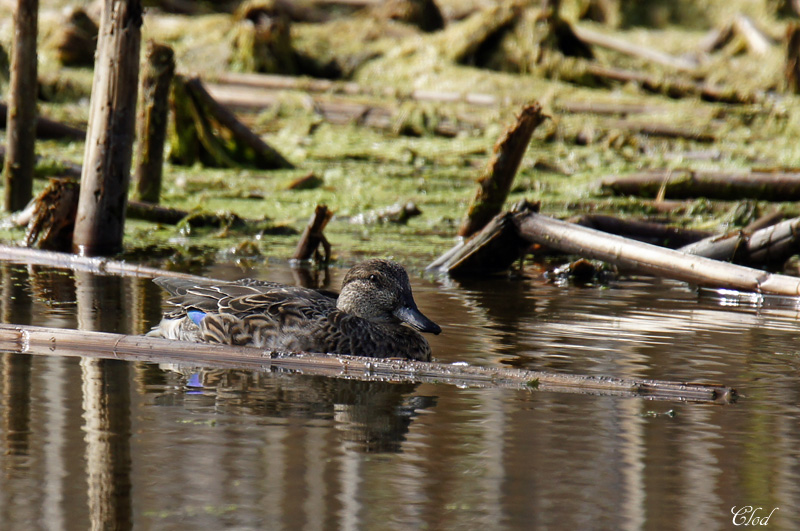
x=109, y=444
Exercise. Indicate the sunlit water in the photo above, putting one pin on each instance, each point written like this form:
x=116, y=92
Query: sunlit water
x=110, y=444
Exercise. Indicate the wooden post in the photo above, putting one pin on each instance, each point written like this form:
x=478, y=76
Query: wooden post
x=151, y=122
x=792, y=69
x=495, y=183
x=313, y=237
x=21, y=124
x=107, y=161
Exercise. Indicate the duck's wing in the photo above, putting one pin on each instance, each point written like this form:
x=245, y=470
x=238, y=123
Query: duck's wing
x=242, y=297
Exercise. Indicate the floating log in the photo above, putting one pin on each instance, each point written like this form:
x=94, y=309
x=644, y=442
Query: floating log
x=21, y=119
x=100, y=222
x=683, y=184
x=46, y=128
x=495, y=183
x=36, y=340
x=596, y=38
x=151, y=121
x=767, y=247
x=313, y=237
x=631, y=255
x=194, y=136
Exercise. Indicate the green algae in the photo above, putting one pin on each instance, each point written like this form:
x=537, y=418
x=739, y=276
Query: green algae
x=364, y=169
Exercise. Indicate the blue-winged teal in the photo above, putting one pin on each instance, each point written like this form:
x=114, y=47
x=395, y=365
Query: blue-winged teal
x=366, y=319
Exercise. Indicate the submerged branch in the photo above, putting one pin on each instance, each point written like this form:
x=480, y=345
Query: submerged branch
x=65, y=342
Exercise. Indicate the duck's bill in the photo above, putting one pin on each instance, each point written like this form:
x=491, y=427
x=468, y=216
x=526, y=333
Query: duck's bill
x=414, y=318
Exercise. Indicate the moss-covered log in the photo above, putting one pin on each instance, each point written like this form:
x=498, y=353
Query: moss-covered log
x=205, y=131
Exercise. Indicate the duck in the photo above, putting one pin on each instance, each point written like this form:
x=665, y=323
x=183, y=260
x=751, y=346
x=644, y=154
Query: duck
x=374, y=315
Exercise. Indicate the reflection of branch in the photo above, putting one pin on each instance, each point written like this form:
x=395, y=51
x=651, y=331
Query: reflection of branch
x=54, y=341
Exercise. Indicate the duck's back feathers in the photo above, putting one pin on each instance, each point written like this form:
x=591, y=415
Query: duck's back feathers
x=271, y=315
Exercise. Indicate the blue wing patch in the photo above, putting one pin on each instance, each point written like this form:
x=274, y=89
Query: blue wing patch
x=196, y=316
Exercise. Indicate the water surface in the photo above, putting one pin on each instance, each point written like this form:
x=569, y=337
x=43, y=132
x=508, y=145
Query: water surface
x=111, y=444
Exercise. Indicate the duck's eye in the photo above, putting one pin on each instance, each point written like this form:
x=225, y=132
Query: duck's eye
x=373, y=278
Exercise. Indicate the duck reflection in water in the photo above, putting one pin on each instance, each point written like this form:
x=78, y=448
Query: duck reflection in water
x=366, y=319
x=370, y=416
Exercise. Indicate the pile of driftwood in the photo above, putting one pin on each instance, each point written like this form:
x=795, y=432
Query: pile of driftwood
x=494, y=240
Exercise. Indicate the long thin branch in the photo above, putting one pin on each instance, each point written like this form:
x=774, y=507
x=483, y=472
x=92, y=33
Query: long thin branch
x=651, y=259
x=64, y=342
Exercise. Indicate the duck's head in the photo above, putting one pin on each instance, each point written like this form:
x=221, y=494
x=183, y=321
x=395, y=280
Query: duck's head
x=379, y=291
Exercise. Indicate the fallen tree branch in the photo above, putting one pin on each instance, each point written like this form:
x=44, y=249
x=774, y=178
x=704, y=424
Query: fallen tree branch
x=64, y=342
x=258, y=84
x=46, y=128
x=102, y=266
x=596, y=38
x=643, y=231
x=631, y=255
x=770, y=246
x=683, y=184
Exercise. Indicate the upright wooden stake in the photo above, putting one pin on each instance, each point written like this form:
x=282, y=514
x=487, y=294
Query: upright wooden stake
x=21, y=123
x=495, y=183
x=151, y=122
x=792, y=68
x=107, y=161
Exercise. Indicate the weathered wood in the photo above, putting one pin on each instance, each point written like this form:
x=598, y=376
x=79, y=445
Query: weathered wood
x=103, y=266
x=596, y=38
x=660, y=130
x=195, y=139
x=21, y=120
x=767, y=247
x=151, y=122
x=99, y=226
x=792, y=67
x=36, y=340
x=340, y=111
x=682, y=184
x=46, y=128
x=674, y=88
x=631, y=255
x=225, y=83
x=53, y=217
x=495, y=183
x=492, y=250
x=313, y=236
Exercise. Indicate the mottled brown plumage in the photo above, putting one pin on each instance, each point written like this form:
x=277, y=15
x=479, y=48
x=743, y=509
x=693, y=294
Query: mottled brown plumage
x=366, y=319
